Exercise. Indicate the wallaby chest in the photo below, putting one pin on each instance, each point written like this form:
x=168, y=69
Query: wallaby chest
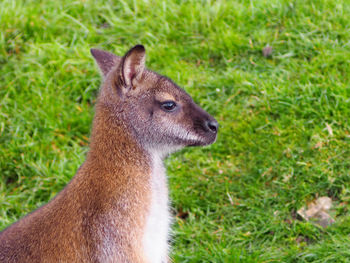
x=156, y=233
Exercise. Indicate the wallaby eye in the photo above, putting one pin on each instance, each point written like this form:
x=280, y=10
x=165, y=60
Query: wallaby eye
x=168, y=105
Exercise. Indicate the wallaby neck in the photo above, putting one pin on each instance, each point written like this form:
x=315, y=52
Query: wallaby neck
x=112, y=144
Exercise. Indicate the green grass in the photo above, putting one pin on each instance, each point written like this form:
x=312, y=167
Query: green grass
x=274, y=152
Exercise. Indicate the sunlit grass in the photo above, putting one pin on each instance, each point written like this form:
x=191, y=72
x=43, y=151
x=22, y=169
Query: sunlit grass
x=274, y=152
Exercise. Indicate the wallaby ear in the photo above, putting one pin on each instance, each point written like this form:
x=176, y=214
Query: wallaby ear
x=105, y=60
x=133, y=64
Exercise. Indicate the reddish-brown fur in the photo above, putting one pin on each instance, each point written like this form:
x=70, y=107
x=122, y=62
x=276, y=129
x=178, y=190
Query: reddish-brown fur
x=101, y=185
x=100, y=215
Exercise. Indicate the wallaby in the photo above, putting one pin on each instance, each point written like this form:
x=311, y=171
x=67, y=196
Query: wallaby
x=116, y=208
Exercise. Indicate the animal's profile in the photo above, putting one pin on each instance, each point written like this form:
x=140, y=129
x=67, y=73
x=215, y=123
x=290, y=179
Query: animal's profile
x=115, y=209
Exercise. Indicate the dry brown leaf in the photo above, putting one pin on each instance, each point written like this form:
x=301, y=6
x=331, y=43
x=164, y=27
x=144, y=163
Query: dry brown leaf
x=317, y=211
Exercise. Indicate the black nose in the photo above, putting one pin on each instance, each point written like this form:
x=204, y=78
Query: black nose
x=212, y=126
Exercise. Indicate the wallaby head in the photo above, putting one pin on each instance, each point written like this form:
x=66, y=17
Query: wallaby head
x=161, y=115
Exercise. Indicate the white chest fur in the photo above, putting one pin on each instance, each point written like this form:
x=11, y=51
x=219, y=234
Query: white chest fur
x=156, y=234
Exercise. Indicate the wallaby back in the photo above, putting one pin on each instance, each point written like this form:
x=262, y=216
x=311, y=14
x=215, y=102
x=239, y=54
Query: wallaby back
x=115, y=209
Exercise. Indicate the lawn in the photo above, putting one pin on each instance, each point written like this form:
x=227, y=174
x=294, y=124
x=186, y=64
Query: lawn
x=284, y=119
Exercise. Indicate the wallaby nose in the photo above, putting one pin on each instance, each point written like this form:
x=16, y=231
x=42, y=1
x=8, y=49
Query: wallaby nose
x=212, y=126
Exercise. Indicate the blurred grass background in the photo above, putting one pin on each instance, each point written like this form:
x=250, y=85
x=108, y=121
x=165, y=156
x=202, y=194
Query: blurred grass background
x=284, y=134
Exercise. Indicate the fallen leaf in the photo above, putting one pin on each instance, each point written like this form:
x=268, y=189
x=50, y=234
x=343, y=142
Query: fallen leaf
x=317, y=212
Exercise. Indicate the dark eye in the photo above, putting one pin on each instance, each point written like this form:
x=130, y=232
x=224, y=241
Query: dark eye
x=168, y=105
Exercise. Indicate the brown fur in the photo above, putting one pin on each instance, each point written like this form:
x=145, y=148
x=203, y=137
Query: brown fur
x=100, y=215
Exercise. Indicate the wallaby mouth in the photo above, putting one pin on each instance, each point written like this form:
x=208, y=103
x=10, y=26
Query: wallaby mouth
x=207, y=131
